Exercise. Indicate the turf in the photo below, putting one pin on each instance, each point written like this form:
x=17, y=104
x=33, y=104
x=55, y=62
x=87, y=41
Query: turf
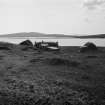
x=65, y=77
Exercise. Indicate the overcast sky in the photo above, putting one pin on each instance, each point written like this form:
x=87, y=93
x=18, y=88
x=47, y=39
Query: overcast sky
x=52, y=16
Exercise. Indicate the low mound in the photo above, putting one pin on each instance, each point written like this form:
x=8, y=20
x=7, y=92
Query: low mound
x=6, y=46
x=27, y=43
x=62, y=61
x=58, y=61
x=89, y=46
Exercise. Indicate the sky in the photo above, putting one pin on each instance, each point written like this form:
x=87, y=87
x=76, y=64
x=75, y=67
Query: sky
x=52, y=16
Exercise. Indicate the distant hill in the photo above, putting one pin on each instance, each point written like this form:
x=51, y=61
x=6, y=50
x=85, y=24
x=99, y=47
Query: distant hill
x=91, y=36
x=36, y=34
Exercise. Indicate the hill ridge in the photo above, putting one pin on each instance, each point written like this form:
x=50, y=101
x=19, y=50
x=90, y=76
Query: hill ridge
x=37, y=34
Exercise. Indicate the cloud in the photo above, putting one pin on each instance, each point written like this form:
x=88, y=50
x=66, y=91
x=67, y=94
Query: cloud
x=93, y=4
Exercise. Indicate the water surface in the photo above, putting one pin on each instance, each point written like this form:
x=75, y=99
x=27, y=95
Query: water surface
x=62, y=42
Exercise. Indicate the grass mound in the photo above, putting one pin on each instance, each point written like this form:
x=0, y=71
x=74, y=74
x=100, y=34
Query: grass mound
x=58, y=61
x=6, y=46
x=62, y=61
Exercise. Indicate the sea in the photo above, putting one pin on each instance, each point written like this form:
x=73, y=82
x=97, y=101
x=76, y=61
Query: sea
x=62, y=41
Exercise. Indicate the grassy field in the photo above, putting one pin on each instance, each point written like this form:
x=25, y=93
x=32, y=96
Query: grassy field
x=67, y=77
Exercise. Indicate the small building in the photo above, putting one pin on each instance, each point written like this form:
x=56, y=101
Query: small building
x=52, y=46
